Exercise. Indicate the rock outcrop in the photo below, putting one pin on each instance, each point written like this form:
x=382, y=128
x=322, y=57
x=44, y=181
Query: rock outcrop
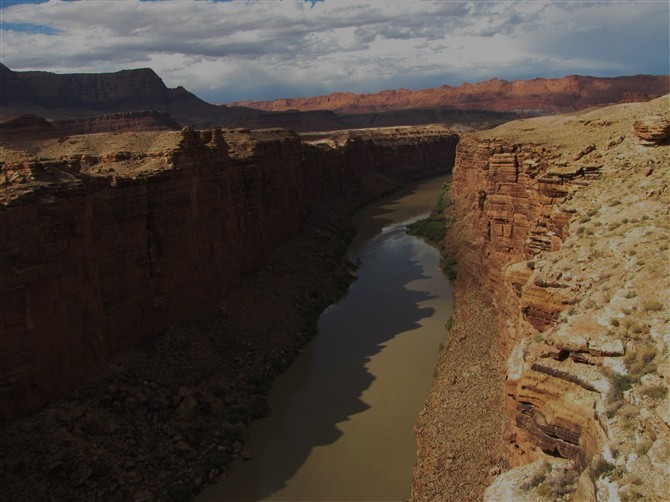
x=107, y=239
x=653, y=130
x=530, y=96
x=559, y=221
x=32, y=127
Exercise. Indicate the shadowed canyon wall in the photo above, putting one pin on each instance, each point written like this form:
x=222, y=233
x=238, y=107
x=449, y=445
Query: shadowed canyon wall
x=105, y=246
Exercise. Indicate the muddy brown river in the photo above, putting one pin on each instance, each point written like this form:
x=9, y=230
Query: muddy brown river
x=341, y=426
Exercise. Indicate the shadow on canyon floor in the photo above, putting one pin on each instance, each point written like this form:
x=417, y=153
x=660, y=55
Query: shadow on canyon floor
x=324, y=387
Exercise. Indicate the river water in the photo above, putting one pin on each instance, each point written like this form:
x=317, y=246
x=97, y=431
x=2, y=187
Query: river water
x=341, y=426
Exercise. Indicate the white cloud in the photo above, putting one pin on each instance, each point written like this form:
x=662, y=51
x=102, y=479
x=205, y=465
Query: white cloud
x=247, y=49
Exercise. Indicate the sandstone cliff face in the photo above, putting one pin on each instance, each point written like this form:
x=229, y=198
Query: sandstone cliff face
x=538, y=95
x=107, y=239
x=560, y=222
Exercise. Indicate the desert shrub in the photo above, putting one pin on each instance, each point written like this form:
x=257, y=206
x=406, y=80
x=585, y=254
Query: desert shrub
x=653, y=306
x=449, y=324
x=643, y=446
x=631, y=294
x=618, y=385
x=654, y=391
x=600, y=467
x=561, y=483
x=641, y=361
x=630, y=495
x=448, y=266
x=434, y=227
x=432, y=230
x=539, y=476
x=633, y=326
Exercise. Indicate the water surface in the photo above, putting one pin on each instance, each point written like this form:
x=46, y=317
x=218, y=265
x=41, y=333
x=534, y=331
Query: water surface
x=342, y=417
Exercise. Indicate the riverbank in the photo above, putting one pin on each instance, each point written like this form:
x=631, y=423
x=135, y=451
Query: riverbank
x=343, y=413
x=459, y=430
x=167, y=417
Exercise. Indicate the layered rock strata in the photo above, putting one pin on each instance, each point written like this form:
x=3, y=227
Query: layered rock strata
x=152, y=212
x=562, y=223
x=538, y=95
x=109, y=239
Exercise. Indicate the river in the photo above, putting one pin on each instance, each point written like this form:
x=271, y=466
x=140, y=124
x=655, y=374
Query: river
x=341, y=426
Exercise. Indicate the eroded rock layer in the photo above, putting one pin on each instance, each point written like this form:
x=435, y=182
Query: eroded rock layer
x=107, y=239
x=538, y=95
x=562, y=223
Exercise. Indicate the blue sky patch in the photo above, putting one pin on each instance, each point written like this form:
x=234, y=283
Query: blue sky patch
x=8, y=3
x=29, y=28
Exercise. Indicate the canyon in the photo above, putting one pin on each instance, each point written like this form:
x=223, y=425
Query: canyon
x=133, y=268
x=559, y=227
x=138, y=254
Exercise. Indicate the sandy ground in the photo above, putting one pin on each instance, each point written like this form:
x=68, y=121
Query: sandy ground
x=459, y=431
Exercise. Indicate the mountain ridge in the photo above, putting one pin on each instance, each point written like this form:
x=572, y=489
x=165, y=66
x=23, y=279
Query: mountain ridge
x=538, y=95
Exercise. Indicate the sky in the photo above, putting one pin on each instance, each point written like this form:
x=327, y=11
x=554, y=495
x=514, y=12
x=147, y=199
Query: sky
x=265, y=49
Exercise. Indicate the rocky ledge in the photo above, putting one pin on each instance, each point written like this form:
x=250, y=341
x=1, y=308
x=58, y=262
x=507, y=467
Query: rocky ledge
x=561, y=223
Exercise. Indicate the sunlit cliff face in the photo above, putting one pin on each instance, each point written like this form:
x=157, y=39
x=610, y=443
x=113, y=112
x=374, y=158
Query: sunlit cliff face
x=562, y=222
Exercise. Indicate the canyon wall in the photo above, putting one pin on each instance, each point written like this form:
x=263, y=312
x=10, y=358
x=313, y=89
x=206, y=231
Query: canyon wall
x=107, y=239
x=539, y=95
x=558, y=222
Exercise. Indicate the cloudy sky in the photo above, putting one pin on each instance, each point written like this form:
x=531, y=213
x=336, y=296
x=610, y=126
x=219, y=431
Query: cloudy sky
x=253, y=49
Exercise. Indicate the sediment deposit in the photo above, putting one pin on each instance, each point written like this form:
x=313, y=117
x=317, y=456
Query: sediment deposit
x=170, y=243
x=561, y=223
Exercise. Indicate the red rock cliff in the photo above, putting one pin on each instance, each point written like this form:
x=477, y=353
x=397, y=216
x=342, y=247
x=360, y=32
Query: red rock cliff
x=107, y=239
x=539, y=95
x=559, y=221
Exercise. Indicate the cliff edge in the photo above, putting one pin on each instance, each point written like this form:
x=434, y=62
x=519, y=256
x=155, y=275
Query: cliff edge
x=560, y=226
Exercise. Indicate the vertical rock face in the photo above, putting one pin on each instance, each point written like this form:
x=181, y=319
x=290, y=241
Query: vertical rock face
x=559, y=221
x=106, y=240
x=513, y=194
